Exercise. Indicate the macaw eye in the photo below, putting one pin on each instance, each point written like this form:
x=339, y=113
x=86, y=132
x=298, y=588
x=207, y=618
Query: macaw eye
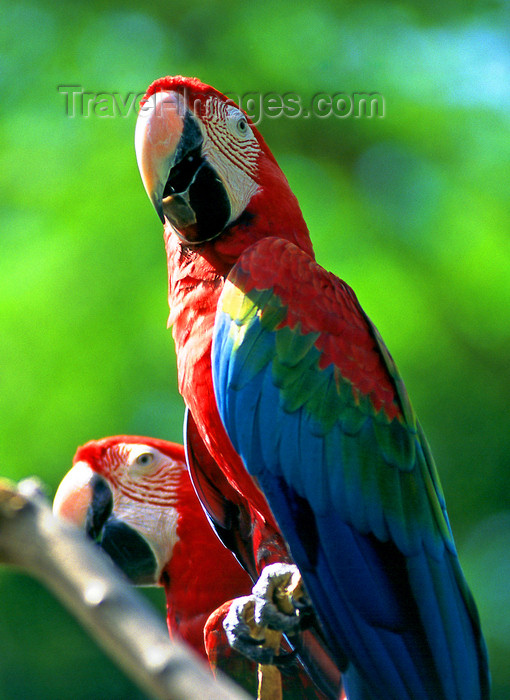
x=145, y=459
x=237, y=123
x=242, y=126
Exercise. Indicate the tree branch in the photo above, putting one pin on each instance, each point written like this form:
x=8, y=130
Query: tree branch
x=84, y=579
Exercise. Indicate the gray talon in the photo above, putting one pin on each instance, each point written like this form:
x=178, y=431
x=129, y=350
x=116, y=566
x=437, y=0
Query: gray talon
x=266, y=613
x=250, y=613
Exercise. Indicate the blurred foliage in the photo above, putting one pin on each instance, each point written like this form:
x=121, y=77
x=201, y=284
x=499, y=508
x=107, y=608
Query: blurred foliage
x=410, y=209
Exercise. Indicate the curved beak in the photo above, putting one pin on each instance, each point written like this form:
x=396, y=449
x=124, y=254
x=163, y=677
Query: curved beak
x=85, y=499
x=159, y=128
x=182, y=186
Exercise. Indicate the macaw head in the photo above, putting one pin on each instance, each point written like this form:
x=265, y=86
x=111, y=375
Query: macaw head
x=133, y=495
x=124, y=492
x=207, y=169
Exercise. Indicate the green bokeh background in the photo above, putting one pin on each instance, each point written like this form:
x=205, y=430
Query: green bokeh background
x=410, y=209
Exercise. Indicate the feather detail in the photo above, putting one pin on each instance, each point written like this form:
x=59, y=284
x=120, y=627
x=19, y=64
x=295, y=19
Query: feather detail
x=338, y=452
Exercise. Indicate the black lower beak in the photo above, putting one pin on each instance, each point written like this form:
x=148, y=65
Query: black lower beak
x=194, y=199
x=128, y=549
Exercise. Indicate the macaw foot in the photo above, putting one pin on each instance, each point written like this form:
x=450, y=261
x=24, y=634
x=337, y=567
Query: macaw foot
x=278, y=604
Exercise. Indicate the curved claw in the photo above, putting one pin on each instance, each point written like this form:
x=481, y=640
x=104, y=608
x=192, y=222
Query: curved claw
x=272, y=606
x=285, y=661
x=239, y=627
x=274, y=579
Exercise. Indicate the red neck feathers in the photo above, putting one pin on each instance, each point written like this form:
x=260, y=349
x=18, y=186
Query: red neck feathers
x=201, y=575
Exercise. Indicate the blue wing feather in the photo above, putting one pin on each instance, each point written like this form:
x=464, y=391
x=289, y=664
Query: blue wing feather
x=357, y=498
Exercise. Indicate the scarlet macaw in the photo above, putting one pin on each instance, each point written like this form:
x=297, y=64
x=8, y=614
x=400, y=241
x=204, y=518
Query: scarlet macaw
x=134, y=496
x=294, y=394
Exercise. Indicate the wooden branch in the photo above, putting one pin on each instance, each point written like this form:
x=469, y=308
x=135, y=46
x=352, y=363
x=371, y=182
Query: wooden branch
x=84, y=579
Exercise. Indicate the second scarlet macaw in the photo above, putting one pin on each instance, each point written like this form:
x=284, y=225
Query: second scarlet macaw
x=134, y=497
x=292, y=391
